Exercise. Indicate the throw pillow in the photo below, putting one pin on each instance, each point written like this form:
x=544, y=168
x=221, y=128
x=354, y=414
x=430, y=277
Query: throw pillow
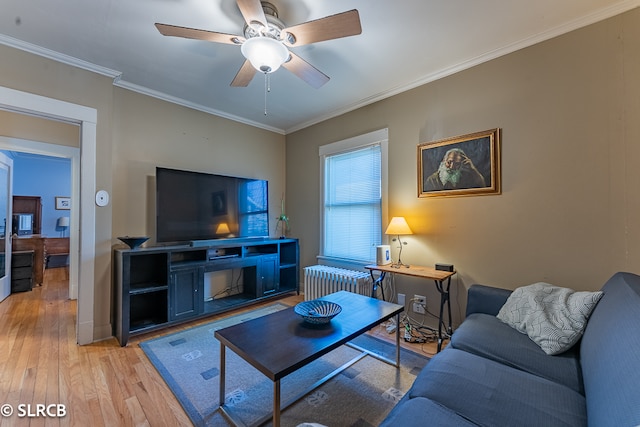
x=553, y=317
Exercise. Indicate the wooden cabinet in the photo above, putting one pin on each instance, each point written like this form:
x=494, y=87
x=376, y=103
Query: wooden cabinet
x=43, y=249
x=36, y=244
x=141, y=294
x=289, y=265
x=22, y=271
x=268, y=272
x=185, y=288
x=157, y=287
x=32, y=205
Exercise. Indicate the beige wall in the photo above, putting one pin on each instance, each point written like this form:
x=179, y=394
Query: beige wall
x=150, y=133
x=569, y=209
x=33, y=74
x=134, y=134
x=17, y=125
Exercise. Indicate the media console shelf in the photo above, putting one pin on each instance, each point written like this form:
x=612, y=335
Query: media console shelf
x=161, y=286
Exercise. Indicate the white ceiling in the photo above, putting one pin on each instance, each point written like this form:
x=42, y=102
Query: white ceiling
x=403, y=44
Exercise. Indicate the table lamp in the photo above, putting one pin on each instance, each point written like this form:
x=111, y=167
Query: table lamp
x=62, y=224
x=223, y=228
x=398, y=226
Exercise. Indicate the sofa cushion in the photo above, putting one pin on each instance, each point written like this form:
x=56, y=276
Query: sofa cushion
x=552, y=316
x=492, y=394
x=485, y=299
x=420, y=411
x=486, y=336
x=610, y=350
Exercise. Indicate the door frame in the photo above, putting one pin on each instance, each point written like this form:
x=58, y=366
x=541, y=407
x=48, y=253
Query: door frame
x=60, y=151
x=83, y=190
x=5, y=281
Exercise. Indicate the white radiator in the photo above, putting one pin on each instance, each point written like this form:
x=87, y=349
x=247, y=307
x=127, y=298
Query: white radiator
x=321, y=280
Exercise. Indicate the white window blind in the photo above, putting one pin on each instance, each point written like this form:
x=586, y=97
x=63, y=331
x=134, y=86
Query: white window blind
x=353, y=203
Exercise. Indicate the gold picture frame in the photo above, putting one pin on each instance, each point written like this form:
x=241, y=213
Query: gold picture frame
x=465, y=165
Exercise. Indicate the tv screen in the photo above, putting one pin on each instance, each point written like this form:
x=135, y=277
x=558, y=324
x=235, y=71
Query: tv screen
x=200, y=206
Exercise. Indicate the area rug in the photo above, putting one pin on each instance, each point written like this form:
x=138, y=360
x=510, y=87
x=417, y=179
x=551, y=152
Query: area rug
x=361, y=395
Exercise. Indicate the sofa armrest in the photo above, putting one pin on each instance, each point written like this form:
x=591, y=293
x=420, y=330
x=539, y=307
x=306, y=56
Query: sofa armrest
x=486, y=299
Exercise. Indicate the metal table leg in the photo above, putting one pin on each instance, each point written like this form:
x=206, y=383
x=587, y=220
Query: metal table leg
x=377, y=282
x=276, y=403
x=222, y=373
x=398, y=340
x=444, y=299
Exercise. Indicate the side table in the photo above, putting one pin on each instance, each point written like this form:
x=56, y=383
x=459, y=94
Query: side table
x=438, y=276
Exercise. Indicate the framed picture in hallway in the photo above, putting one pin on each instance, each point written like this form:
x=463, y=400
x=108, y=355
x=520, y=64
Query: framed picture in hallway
x=63, y=203
x=465, y=165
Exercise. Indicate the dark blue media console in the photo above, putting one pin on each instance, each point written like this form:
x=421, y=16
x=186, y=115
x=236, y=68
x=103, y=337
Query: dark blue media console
x=161, y=286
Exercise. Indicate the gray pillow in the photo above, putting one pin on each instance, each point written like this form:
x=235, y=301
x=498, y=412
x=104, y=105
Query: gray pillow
x=553, y=317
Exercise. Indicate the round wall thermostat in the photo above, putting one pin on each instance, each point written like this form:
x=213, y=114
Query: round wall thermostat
x=102, y=198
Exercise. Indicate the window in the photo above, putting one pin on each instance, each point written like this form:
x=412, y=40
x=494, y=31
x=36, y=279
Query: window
x=253, y=214
x=353, y=181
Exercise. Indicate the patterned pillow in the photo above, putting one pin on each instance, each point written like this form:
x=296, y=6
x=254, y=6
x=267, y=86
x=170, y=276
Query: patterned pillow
x=553, y=317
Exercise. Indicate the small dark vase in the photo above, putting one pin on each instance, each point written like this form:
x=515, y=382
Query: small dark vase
x=133, y=242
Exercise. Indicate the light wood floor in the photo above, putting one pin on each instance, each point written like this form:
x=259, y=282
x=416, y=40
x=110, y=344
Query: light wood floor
x=101, y=384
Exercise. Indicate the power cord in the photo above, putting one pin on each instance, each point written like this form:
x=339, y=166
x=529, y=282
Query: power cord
x=234, y=288
x=388, y=289
x=417, y=331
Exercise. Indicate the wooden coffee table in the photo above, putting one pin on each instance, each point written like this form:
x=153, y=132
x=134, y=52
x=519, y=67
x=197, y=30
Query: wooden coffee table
x=281, y=343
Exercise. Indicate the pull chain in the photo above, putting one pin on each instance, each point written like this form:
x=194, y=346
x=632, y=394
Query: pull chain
x=267, y=88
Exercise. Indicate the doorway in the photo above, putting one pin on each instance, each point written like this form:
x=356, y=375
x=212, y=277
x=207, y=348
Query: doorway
x=44, y=151
x=83, y=213
x=5, y=232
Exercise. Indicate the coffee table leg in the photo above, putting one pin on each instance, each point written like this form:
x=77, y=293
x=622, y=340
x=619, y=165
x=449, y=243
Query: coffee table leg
x=276, y=403
x=222, y=372
x=398, y=340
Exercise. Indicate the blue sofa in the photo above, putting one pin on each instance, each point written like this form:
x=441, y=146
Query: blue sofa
x=492, y=375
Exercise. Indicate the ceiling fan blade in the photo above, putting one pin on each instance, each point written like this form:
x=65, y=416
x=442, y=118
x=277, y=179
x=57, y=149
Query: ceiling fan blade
x=244, y=76
x=328, y=28
x=192, y=33
x=306, y=71
x=252, y=11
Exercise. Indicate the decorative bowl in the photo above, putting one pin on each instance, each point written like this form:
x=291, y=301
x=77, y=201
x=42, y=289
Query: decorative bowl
x=317, y=311
x=133, y=242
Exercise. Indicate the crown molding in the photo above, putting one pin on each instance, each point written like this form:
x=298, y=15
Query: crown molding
x=116, y=75
x=119, y=82
x=179, y=101
x=59, y=57
x=584, y=21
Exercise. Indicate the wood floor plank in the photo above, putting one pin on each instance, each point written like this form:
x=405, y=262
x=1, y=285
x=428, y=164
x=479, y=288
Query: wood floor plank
x=71, y=381
x=137, y=414
x=157, y=417
x=107, y=405
x=158, y=389
x=12, y=340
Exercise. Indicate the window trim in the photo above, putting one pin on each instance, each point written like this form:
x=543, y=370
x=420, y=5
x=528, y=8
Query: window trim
x=380, y=137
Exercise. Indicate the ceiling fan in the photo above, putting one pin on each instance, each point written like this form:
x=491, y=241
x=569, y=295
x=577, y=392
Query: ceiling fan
x=266, y=40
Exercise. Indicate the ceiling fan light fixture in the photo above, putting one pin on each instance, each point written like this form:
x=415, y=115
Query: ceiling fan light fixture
x=265, y=54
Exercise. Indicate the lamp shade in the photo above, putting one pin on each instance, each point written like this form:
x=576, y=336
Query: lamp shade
x=264, y=53
x=223, y=228
x=63, y=221
x=398, y=226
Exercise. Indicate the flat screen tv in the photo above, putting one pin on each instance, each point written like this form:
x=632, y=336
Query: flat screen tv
x=193, y=206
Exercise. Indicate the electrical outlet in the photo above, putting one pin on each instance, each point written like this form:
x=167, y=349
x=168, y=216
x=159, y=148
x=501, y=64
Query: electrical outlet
x=419, y=304
x=401, y=299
